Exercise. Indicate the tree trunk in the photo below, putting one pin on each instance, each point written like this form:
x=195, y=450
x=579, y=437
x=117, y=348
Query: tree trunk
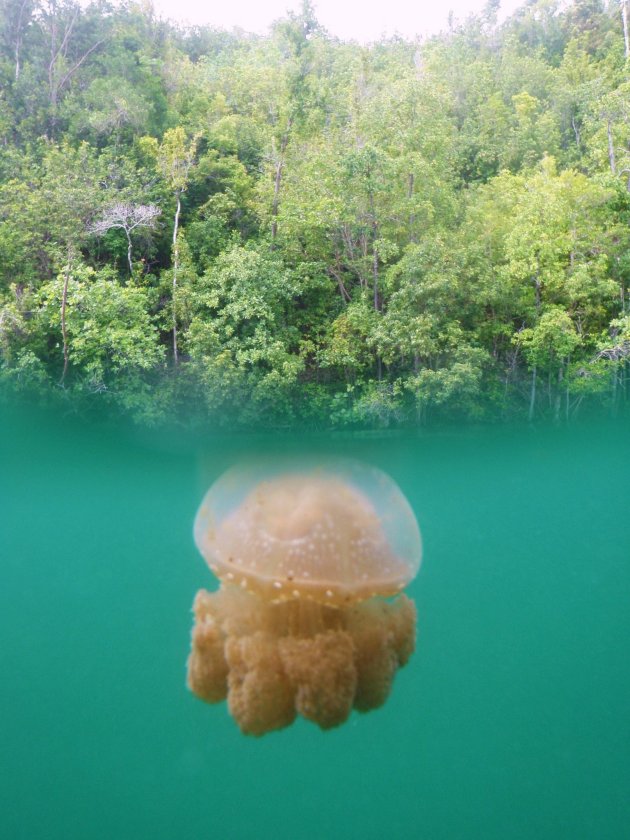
x=18, y=39
x=532, y=396
x=379, y=362
x=175, y=269
x=276, y=200
x=611, y=148
x=374, y=252
x=375, y=276
x=336, y=273
x=566, y=390
x=576, y=131
x=17, y=59
x=412, y=216
x=64, y=332
x=59, y=43
x=129, y=252
x=624, y=19
x=52, y=87
x=277, y=183
x=558, y=398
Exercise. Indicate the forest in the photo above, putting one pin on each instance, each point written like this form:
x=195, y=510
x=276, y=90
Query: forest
x=216, y=229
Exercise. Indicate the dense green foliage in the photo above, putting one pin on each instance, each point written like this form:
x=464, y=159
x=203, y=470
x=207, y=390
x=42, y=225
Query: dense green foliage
x=205, y=226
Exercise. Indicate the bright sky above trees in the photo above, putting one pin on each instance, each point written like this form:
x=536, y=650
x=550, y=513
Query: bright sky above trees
x=348, y=19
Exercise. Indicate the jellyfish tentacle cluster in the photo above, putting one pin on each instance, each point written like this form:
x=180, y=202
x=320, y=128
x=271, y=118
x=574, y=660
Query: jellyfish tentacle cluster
x=272, y=663
x=333, y=634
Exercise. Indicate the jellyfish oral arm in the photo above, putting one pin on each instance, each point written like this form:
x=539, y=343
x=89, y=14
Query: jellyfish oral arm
x=276, y=661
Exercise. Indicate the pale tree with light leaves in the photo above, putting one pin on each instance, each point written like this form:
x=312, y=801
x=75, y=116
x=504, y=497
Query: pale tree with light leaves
x=127, y=217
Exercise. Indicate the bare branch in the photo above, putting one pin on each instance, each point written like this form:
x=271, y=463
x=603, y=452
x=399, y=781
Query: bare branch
x=126, y=216
x=76, y=66
x=619, y=351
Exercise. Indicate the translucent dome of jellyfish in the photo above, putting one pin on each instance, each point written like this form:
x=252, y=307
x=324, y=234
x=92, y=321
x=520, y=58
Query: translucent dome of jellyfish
x=309, y=618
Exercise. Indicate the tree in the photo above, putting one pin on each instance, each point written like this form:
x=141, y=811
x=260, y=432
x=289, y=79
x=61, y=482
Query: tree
x=110, y=110
x=614, y=351
x=67, y=50
x=175, y=158
x=624, y=19
x=554, y=259
x=242, y=339
x=548, y=347
x=126, y=217
x=609, y=129
x=16, y=16
x=108, y=337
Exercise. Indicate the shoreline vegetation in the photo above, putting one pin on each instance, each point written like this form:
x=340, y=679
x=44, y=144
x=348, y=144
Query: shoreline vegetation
x=215, y=229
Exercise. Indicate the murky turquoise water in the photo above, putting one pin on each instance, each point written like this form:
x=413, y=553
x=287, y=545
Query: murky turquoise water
x=511, y=721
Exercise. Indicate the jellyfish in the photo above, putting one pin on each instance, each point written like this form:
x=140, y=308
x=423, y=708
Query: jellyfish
x=309, y=618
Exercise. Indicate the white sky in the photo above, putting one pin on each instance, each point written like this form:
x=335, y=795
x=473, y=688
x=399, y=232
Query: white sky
x=360, y=20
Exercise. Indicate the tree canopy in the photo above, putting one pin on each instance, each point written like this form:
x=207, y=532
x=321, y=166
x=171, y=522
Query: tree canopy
x=210, y=227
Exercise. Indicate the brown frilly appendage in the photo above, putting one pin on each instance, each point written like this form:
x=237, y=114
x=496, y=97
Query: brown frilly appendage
x=273, y=661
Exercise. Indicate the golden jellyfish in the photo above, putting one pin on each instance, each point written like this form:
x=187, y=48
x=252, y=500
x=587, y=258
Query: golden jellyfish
x=310, y=618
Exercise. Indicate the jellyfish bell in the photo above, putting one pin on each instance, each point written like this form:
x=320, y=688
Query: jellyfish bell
x=310, y=558
x=338, y=533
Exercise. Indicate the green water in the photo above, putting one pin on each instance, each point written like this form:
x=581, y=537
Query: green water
x=511, y=720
